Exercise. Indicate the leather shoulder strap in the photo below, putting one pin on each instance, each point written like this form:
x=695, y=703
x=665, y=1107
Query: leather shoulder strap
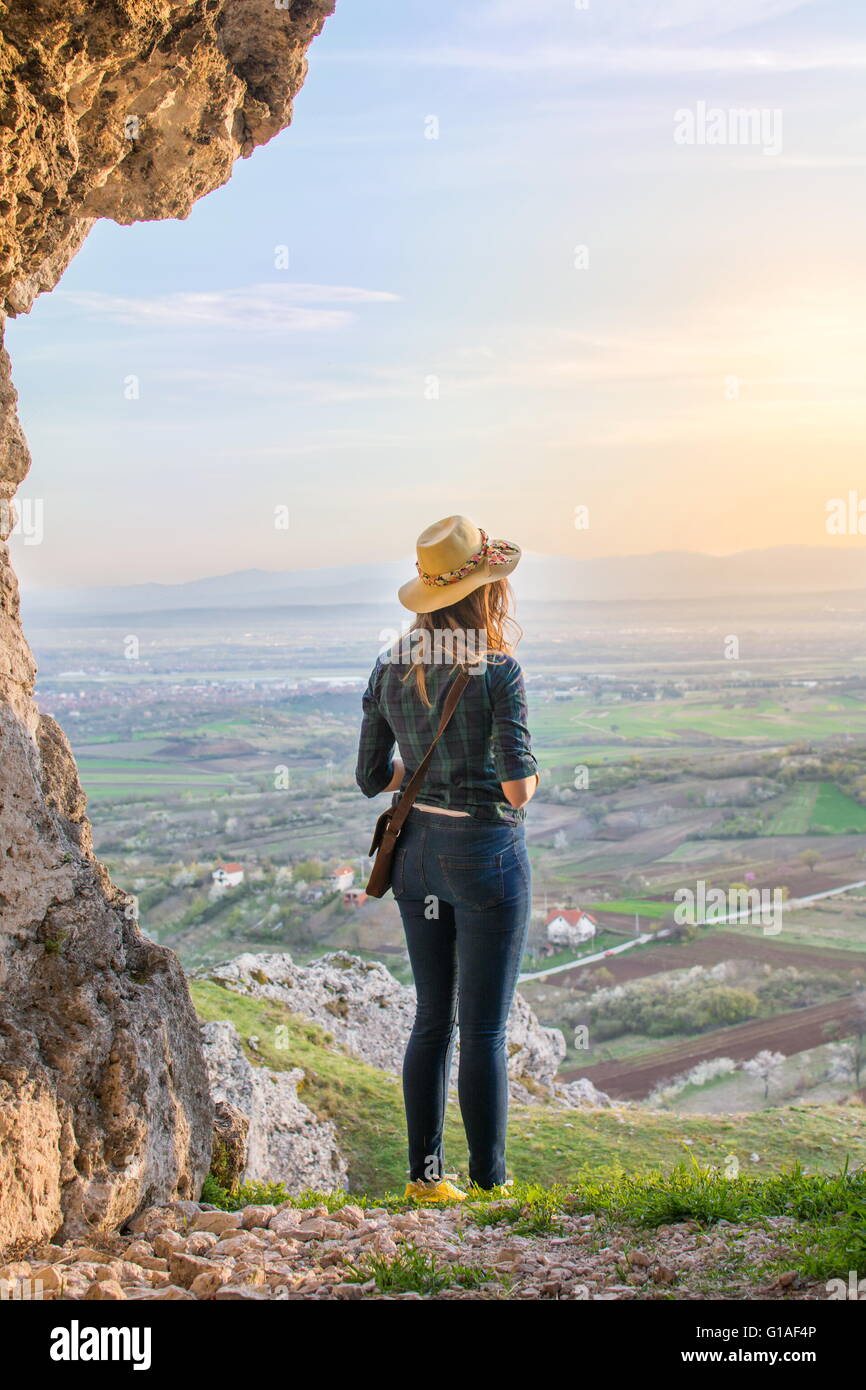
x=404, y=805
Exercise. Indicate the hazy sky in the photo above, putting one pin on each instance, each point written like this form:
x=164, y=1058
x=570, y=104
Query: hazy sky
x=440, y=342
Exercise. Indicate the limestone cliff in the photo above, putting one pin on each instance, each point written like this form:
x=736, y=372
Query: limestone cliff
x=127, y=109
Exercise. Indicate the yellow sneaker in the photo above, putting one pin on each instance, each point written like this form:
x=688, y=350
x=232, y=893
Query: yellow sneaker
x=502, y=1189
x=442, y=1191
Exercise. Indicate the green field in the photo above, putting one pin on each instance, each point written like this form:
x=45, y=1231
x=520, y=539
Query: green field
x=630, y=906
x=837, y=812
x=593, y=754
x=696, y=852
x=816, y=806
x=126, y=779
x=795, y=815
x=567, y=726
x=234, y=728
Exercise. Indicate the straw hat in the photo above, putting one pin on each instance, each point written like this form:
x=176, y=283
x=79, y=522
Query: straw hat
x=455, y=557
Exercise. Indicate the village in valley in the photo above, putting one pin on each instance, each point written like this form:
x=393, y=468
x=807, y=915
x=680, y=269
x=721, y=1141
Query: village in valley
x=340, y=880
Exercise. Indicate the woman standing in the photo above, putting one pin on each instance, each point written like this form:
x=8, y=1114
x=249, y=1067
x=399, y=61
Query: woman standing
x=461, y=873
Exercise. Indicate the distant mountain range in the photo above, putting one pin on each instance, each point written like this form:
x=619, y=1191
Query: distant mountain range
x=669, y=574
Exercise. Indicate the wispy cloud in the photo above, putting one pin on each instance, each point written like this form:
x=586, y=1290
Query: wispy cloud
x=275, y=308
x=268, y=380
x=799, y=162
x=605, y=60
x=636, y=17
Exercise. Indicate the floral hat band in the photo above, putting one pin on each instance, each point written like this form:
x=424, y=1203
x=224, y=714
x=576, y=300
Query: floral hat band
x=454, y=558
x=494, y=552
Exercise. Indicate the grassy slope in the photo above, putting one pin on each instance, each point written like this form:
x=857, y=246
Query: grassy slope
x=547, y=1145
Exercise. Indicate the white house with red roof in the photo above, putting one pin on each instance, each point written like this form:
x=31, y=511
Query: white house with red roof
x=342, y=879
x=570, y=927
x=228, y=875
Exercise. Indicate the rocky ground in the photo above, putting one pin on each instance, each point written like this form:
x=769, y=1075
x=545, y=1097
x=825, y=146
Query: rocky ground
x=189, y=1250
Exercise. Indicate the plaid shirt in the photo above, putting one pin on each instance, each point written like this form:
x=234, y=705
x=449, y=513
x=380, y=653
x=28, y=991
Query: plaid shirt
x=486, y=742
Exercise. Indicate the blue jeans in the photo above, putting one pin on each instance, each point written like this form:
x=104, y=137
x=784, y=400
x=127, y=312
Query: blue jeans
x=463, y=889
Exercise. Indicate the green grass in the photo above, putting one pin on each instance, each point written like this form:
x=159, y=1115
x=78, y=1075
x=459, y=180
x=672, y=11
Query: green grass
x=417, y=1271
x=531, y=1209
x=250, y=1194
x=706, y=1194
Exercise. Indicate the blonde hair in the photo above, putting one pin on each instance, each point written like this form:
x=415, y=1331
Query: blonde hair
x=486, y=611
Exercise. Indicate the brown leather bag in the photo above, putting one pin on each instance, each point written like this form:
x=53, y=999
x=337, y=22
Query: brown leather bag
x=390, y=823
